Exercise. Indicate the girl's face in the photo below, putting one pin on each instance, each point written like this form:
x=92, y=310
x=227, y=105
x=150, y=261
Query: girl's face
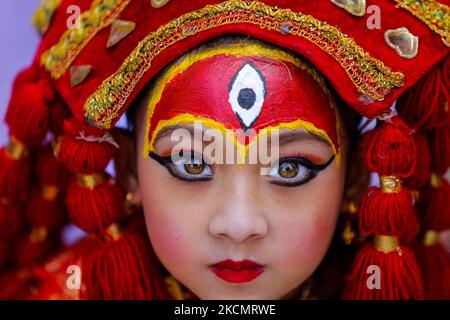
x=226, y=231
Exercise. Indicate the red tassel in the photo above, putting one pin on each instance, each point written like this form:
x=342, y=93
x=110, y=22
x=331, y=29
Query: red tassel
x=81, y=156
x=14, y=173
x=435, y=264
x=422, y=171
x=399, y=276
x=33, y=248
x=11, y=221
x=93, y=208
x=434, y=202
x=440, y=148
x=390, y=149
x=28, y=114
x=387, y=213
x=423, y=105
x=45, y=213
x=103, y=269
x=51, y=170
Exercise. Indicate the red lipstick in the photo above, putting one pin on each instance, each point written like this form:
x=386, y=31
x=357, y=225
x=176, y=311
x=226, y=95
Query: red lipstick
x=237, y=271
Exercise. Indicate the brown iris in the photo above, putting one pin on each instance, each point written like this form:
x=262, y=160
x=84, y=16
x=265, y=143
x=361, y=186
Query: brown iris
x=194, y=168
x=288, y=170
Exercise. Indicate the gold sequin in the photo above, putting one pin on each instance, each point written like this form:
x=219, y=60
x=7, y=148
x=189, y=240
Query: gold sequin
x=78, y=74
x=355, y=7
x=404, y=42
x=434, y=14
x=101, y=14
x=371, y=77
x=119, y=30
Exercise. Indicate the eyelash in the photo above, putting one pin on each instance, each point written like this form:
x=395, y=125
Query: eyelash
x=310, y=171
x=175, y=170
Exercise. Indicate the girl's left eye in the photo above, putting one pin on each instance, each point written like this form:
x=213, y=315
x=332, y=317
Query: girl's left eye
x=295, y=171
x=188, y=166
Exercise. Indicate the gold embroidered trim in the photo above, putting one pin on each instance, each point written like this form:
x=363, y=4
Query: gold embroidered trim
x=44, y=14
x=434, y=14
x=59, y=57
x=370, y=76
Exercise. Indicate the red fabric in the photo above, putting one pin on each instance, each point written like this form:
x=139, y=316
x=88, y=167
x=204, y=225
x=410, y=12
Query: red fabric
x=106, y=61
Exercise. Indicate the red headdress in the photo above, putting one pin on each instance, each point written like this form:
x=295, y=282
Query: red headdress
x=84, y=78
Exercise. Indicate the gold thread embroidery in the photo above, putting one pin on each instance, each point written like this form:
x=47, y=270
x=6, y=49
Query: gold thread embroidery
x=434, y=14
x=43, y=15
x=238, y=49
x=370, y=76
x=101, y=14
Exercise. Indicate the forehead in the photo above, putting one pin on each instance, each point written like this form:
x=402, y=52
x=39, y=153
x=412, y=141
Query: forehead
x=243, y=88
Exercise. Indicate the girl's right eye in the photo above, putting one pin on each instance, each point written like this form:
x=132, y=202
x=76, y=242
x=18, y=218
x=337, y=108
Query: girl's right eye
x=188, y=166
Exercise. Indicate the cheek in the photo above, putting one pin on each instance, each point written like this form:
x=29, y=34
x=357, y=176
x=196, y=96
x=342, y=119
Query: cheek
x=309, y=224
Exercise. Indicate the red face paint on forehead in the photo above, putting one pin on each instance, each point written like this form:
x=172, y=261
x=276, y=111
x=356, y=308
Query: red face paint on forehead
x=248, y=92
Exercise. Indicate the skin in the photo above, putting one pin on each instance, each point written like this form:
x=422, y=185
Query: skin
x=239, y=214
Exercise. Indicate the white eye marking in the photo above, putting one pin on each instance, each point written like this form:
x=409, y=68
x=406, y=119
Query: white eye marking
x=247, y=92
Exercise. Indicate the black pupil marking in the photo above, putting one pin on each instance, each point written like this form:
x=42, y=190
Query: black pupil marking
x=246, y=98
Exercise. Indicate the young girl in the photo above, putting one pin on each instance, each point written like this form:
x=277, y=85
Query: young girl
x=239, y=156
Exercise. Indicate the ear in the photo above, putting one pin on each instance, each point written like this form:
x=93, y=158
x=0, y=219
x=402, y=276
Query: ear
x=125, y=164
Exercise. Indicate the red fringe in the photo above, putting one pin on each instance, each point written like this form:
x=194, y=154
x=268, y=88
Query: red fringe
x=123, y=269
x=95, y=210
x=41, y=212
x=28, y=252
x=421, y=175
x=80, y=156
x=11, y=221
x=390, y=149
x=435, y=265
x=387, y=213
x=422, y=106
x=440, y=149
x=434, y=203
x=28, y=115
x=400, y=276
x=51, y=170
x=14, y=177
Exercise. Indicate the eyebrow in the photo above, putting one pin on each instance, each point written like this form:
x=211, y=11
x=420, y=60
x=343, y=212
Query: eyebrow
x=283, y=138
x=288, y=137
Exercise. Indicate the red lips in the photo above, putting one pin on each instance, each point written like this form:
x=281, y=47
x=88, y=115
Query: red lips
x=237, y=271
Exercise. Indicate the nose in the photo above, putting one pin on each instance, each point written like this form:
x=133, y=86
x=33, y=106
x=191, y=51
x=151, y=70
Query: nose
x=240, y=215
